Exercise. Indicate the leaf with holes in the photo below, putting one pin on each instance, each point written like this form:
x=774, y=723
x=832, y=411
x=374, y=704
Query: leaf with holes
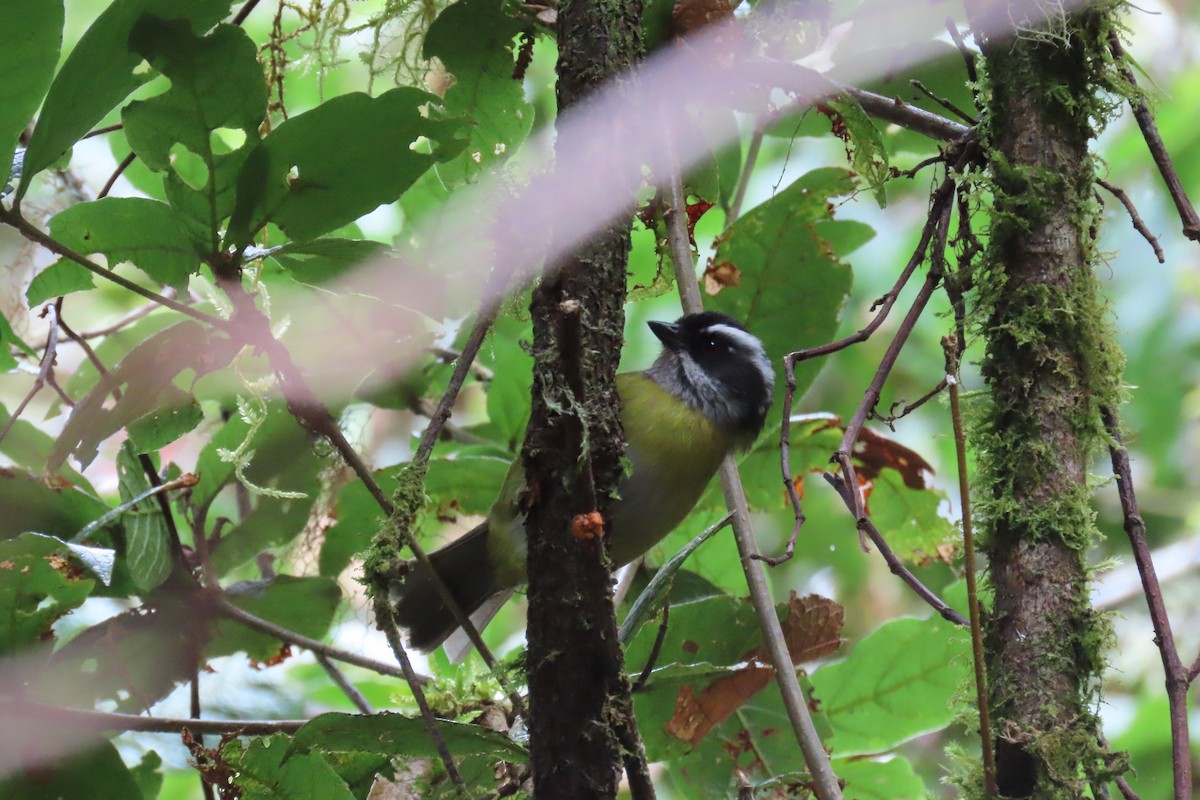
x=327, y=167
x=148, y=234
x=101, y=72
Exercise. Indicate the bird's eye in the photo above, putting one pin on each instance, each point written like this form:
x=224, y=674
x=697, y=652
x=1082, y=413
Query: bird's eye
x=711, y=344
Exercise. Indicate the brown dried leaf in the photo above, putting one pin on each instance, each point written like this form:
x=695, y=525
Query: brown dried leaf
x=812, y=629
x=719, y=275
x=874, y=452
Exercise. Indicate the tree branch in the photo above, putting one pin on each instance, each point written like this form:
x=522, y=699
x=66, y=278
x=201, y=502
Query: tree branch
x=1176, y=677
x=1158, y=150
x=825, y=782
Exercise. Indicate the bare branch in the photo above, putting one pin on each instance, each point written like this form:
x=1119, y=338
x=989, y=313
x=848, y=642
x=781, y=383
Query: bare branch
x=1158, y=150
x=100, y=721
x=1138, y=224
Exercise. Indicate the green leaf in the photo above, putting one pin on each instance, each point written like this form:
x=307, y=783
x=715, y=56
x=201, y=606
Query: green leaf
x=135, y=658
x=303, y=605
x=263, y=771
x=217, y=92
x=148, y=775
x=864, y=145
x=146, y=374
x=512, y=370
x=327, y=167
x=899, y=682
x=27, y=503
x=162, y=426
x=147, y=540
x=9, y=338
x=37, y=586
x=893, y=779
x=395, y=733
x=60, y=278
x=149, y=234
x=786, y=248
x=97, y=774
x=656, y=592
x=909, y=518
x=101, y=72
x=32, y=39
x=324, y=259
x=473, y=39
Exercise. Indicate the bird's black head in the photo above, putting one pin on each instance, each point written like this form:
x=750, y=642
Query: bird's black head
x=712, y=363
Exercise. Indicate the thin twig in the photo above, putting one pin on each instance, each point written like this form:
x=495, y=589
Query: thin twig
x=950, y=346
x=100, y=131
x=825, y=782
x=967, y=55
x=99, y=721
x=1138, y=223
x=244, y=11
x=1158, y=150
x=31, y=232
x=226, y=607
x=894, y=416
x=652, y=659
x=943, y=102
x=739, y=195
x=45, y=370
x=349, y=689
x=184, y=481
x=895, y=565
x=112, y=179
x=386, y=621
x=1176, y=677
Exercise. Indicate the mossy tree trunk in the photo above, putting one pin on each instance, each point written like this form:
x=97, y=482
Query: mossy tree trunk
x=1051, y=364
x=581, y=721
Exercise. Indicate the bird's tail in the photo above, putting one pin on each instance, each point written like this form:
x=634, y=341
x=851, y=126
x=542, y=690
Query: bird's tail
x=466, y=568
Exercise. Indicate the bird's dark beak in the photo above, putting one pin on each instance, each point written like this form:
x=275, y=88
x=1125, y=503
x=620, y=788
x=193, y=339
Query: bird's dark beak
x=667, y=333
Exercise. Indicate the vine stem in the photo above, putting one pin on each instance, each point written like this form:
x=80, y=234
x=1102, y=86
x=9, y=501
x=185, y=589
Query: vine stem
x=825, y=782
x=950, y=346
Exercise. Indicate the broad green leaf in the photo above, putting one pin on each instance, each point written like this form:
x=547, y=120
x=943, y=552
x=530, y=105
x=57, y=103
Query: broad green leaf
x=60, y=278
x=655, y=593
x=512, y=375
x=217, y=92
x=473, y=39
x=27, y=503
x=264, y=771
x=147, y=540
x=146, y=374
x=303, y=605
x=9, y=339
x=893, y=779
x=135, y=658
x=897, y=683
x=164, y=425
x=97, y=774
x=101, y=72
x=323, y=259
x=148, y=775
x=465, y=484
x=358, y=520
x=32, y=39
x=395, y=733
x=149, y=234
x=327, y=167
x=38, y=584
x=909, y=518
x=787, y=248
x=216, y=82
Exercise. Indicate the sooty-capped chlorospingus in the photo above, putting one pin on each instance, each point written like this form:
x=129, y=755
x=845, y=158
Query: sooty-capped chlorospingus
x=706, y=395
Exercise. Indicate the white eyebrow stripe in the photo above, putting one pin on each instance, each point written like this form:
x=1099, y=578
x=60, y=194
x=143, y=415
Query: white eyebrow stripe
x=751, y=343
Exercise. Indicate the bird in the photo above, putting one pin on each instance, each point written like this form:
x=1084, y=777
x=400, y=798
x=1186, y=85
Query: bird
x=706, y=396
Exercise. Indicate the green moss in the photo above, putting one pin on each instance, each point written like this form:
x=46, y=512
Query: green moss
x=383, y=560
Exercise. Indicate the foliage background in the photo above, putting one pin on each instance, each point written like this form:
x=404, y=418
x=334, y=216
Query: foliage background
x=1153, y=304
